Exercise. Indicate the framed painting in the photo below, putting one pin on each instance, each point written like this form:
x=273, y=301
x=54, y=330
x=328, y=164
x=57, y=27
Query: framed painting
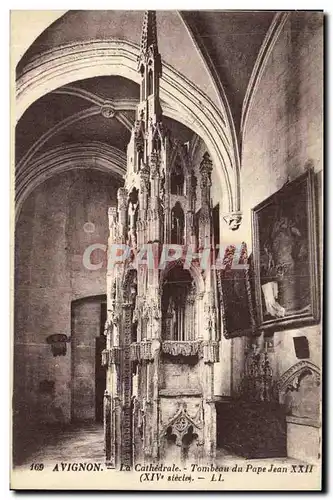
x=285, y=256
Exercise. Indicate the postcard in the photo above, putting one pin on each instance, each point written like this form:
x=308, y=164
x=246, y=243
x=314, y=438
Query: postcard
x=167, y=171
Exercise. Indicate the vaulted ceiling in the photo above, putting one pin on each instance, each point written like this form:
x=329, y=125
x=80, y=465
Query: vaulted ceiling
x=230, y=43
x=215, y=45
x=78, y=114
x=216, y=50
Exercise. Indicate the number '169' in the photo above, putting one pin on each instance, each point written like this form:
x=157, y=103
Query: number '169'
x=38, y=467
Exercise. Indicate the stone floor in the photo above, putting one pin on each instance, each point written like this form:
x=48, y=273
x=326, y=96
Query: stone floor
x=224, y=457
x=69, y=443
x=75, y=443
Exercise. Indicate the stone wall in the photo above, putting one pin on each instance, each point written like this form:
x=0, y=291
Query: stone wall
x=283, y=136
x=51, y=236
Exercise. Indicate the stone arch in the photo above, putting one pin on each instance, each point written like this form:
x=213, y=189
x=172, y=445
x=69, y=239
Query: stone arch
x=181, y=99
x=177, y=224
x=193, y=270
x=292, y=376
x=130, y=285
x=298, y=390
x=63, y=158
x=180, y=170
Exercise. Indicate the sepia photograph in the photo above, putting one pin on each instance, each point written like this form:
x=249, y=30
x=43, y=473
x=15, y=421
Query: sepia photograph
x=167, y=258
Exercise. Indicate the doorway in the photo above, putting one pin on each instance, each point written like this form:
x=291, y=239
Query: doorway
x=88, y=342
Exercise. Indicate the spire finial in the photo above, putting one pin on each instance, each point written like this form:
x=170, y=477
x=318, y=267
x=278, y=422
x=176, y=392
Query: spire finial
x=149, y=36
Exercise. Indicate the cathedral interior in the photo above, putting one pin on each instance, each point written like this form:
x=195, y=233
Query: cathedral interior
x=172, y=127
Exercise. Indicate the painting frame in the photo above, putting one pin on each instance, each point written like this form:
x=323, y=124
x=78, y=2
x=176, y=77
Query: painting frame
x=279, y=318
x=236, y=296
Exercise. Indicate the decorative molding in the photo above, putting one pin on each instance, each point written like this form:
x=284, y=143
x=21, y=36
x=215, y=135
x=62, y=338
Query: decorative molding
x=67, y=157
x=181, y=424
x=108, y=111
x=180, y=348
x=181, y=392
x=259, y=67
x=207, y=61
x=209, y=351
x=204, y=349
x=310, y=422
x=142, y=351
x=123, y=104
x=257, y=382
x=233, y=220
x=111, y=356
x=125, y=376
x=110, y=108
x=183, y=101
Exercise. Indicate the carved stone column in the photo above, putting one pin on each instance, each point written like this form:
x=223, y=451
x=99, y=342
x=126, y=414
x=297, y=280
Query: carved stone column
x=206, y=167
x=110, y=359
x=154, y=178
x=122, y=213
x=112, y=214
x=155, y=409
x=107, y=419
x=155, y=208
x=143, y=205
x=126, y=381
x=199, y=315
x=210, y=430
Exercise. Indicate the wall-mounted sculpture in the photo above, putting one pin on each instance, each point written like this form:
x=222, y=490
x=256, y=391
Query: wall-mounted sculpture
x=58, y=343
